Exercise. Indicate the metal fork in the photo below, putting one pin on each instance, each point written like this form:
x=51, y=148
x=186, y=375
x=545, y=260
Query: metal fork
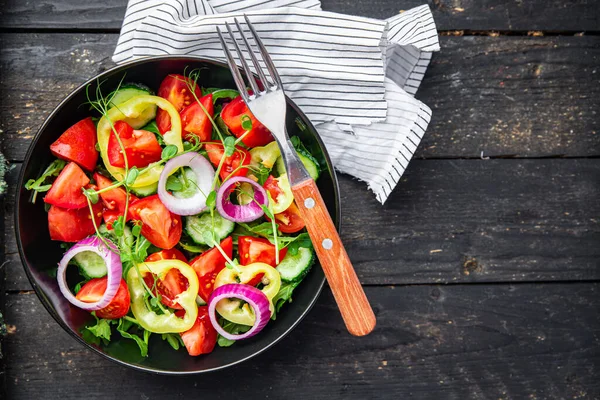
x=269, y=107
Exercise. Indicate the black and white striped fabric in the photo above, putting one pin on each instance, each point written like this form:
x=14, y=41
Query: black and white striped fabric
x=354, y=77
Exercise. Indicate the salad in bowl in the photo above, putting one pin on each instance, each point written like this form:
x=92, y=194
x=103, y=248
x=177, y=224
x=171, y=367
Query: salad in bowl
x=175, y=218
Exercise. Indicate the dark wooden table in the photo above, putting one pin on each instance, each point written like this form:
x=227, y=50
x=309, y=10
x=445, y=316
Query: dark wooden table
x=483, y=271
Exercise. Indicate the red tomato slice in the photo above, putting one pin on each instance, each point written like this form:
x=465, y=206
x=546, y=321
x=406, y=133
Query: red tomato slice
x=66, y=190
x=290, y=220
x=172, y=254
x=93, y=290
x=239, y=157
x=232, y=115
x=208, y=264
x=202, y=337
x=69, y=225
x=175, y=89
x=253, y=249
x=114, y=200
x=78, y=144
x=195, y=121
x=169, y=287
x=160, y=226
x=141, y=147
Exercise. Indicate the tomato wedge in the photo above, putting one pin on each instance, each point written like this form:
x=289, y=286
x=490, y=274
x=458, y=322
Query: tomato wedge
x=160, y=226
x=208, y=264
x=93, y=290
x=169, y=287
x=114, y=200
x=240, y=157
x=253, y=249
x=202, y=337
x=66, y=190
x=232, y=115
x=172, y=254
x=78, y=144
x=290, y=220
x=194, y=121
x=175, y=89
x=141, y=147
x=68, y=225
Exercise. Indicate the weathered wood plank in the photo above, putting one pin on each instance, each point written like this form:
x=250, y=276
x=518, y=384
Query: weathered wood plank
x=454, y=342
x=554, y=15
x=3, y=189
x=462, y=221
x=530, y=97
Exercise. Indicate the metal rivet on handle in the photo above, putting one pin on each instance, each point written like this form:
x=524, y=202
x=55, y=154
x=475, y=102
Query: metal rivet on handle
x=309, y=202
x=327, y=244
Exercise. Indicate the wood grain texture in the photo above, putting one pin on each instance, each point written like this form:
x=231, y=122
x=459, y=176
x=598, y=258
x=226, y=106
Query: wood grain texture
x=341, y=277
x=505, y=96
x=538, y=341
x=451, y=221
x=576, y=15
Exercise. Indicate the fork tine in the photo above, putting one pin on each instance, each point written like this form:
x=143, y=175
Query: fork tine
x=249, y=73
x=237, y=77
x=265, y=55
x=257, y=66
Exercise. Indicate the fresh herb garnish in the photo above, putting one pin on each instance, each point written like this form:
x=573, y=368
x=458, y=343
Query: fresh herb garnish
x=39, y=185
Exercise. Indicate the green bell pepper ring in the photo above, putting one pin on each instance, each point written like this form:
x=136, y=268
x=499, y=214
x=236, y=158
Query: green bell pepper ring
x=169, y=322
x=285, y=198
x=129, y=112
x=265, y=155
x=231, y=309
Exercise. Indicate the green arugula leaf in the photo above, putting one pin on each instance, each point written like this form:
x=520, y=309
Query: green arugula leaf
x=232, y=328
x=283, y=296
x=267, y=212
x=174, y=339
x=37, y=185
x=152, y=127
x=221, y=93
x=302, y=240
x=122, y=328
x=97, y=332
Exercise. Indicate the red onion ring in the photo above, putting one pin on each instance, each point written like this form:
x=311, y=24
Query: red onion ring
x=113, y=265
x=241, y=213
x=205, y=174
x=254, y=297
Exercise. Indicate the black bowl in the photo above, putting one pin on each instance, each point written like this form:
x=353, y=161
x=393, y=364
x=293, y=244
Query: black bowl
x=40, y=255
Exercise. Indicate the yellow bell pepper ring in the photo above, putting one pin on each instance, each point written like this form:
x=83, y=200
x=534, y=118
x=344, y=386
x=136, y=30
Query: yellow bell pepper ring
x=168, y=322
x=230, y=308
x=130, y=111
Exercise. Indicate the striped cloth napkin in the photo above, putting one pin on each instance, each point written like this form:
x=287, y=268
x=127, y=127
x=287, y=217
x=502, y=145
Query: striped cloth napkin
x=354, y=77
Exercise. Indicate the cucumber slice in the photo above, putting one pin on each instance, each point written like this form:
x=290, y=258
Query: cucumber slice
x=91, y=264
x=128, y=92
x=196, y=225
x=191, y=189
x=311, y=167
x=144, y=191
x=293, y=268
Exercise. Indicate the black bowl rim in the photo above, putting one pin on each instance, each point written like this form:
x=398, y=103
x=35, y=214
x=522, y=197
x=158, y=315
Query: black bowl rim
x=336, y=218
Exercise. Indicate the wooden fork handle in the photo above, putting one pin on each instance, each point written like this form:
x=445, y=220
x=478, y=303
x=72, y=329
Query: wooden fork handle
x=347, y=290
